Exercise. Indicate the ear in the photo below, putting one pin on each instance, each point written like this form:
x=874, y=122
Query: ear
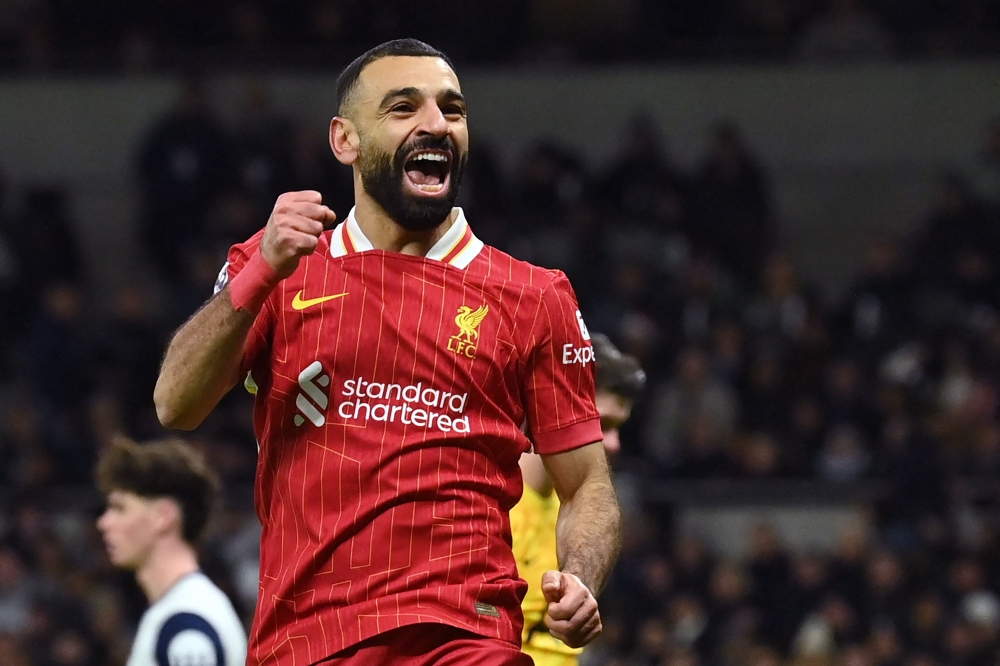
x=344, y=140
x=167, y=514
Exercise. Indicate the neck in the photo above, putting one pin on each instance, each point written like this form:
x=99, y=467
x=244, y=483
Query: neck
x=168, y=563
x=386, y=234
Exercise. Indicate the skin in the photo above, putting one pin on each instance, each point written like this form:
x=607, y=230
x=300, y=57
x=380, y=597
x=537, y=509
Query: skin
x=397, y=99
x=573, y=615
x=144, y=535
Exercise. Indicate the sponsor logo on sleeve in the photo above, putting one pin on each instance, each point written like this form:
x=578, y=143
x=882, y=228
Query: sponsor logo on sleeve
x=572, y=355
x=222, y=280
x=583, y=327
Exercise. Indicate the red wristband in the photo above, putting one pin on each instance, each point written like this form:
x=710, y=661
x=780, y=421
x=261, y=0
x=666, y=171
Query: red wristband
x=252, y=285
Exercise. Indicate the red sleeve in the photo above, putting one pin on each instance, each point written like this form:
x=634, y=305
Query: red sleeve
x=559, y=383
x=260, y=333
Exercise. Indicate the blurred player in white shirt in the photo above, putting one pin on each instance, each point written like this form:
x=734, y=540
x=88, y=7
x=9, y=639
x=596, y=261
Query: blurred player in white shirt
x=159, y=496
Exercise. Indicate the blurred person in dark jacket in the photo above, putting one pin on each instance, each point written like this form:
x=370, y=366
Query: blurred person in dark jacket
x=262, y=144
x=17, y=590
x=184, y=163
x=692, y=393
x=734, y=203
x=878, y=310
x=984, y=175
x=955, y=225
x=632, y=182
x=39, y=247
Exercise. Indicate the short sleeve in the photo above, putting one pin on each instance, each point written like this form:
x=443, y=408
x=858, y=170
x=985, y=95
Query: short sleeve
x=559, y=381
x=260, y=332
x=187, y=639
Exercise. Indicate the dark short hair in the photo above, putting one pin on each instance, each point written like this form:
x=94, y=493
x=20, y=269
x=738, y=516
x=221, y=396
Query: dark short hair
x=168, y=468
x=397, y=47
x=617, y=373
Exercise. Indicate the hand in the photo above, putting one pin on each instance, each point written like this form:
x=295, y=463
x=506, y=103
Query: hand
x=572, y=616
x=293, y=230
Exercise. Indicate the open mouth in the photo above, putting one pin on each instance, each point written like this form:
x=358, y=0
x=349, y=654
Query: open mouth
x=427, y=172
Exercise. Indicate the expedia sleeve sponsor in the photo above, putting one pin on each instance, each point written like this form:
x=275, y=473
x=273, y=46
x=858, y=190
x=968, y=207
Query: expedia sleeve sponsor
x=559, y=377
x=572, y=354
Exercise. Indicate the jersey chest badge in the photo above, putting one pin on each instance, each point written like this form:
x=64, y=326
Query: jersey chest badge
x=468, y=320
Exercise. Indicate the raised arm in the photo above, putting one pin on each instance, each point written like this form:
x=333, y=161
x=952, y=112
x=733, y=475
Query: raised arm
x=203, y=359
x=588, y=538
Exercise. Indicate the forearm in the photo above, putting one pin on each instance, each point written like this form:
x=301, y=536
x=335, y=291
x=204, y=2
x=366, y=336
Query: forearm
x=202, y=363
x=588, y=532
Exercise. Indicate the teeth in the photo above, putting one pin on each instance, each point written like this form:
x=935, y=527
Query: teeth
x=431, y=188
x=432, y=157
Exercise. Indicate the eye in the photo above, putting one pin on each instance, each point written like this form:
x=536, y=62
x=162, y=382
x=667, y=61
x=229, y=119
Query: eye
x=403, y=107
x=454, y=110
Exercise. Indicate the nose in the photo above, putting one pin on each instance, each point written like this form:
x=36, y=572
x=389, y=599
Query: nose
x=612, y=442
x=102, y=522
x=432, y=120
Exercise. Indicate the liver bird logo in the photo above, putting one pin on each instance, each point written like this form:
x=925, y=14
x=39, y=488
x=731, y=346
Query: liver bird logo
x=468, y=321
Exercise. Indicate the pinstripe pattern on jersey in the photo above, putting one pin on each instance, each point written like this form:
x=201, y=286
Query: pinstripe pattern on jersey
x=369, y=524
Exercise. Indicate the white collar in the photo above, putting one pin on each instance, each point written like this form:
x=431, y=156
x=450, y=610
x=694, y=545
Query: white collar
x=458, y=247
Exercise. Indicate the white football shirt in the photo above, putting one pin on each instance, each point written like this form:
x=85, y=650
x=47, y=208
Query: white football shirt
x=194, y=624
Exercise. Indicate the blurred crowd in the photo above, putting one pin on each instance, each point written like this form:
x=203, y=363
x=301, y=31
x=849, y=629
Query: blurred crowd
x=54, y=34
x=755, y=375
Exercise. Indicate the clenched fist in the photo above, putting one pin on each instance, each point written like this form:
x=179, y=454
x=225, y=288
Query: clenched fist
x=293, y=230
x=572, y=615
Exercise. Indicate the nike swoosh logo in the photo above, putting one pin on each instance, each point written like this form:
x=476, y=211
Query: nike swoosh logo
x=298, y=303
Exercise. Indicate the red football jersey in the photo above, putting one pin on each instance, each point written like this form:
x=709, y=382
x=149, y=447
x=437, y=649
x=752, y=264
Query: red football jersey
x=391, y=392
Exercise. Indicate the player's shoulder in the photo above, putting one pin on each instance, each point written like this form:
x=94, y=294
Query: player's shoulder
x=497, y=264
x=195, y=594
x=195, y=618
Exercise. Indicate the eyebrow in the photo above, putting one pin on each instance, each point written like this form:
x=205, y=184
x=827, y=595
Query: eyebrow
x=449, y=95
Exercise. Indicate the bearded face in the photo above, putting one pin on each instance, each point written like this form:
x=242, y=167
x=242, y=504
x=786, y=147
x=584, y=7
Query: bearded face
x=418, y=185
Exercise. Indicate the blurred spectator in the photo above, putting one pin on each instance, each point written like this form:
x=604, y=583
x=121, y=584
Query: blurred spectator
x=553, y=179
x=846, y=397
x=698, y=301
x=16, y=591
x=878, y=311
x=642, y=169
x=678, y=403
x=13, y=282
x=127, y=351
x=985, y=173
x=313, y=167
x=57, y=350
x=955, y=226
x=44, y=237
x=765, y=395
x=779, y=312
x=911, y=464
x=262, y=146
x=847, y=32
x=733, y=203
x=184, y=164
x=845, y=455
x=769, y=567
